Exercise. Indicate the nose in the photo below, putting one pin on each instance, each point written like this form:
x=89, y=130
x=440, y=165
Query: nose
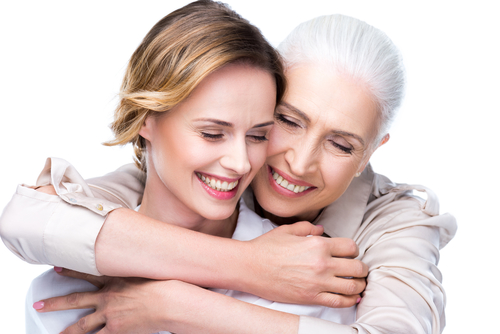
x=236, y=158
x=302, y=156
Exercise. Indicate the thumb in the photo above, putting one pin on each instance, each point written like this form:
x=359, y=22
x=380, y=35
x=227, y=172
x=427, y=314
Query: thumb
x=303, y=229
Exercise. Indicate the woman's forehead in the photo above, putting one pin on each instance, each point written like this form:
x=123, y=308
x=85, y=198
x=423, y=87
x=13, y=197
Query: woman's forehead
x=332, y=99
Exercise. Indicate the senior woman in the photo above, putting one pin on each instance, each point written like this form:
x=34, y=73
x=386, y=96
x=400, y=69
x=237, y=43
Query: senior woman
x=345, y=84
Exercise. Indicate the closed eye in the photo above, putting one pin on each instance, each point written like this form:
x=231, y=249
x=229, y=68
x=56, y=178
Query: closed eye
x=344, y=149
x=284, y=120
x=258, y=139
x=211, y=136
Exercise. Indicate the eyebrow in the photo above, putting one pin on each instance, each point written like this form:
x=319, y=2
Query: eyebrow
x=306, y=118
x=295, y=110
x=231, y=125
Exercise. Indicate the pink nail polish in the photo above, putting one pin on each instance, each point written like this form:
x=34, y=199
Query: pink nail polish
x=58, y=269
x=359, y=299
x=38, y=305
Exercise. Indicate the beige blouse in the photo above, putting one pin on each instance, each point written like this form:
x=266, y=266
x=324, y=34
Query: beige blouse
x=399, y=237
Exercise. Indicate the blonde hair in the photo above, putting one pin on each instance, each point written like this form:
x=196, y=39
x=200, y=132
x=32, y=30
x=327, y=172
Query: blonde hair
x=355, y=48
x=176, y=55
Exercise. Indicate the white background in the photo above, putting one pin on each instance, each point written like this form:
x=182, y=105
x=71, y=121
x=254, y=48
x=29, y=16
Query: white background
x=61, y=65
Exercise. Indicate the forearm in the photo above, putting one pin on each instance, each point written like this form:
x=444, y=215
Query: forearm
x=131, y=244
x=201, y=311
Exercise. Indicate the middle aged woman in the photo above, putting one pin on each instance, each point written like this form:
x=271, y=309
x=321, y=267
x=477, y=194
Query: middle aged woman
x=346, y=81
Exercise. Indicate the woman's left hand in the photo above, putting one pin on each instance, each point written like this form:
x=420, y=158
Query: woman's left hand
x=122, y=305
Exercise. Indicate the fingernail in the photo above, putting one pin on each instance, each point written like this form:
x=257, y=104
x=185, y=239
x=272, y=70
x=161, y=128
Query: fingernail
x=58, y=269
x=359, y=299
x=38, y=305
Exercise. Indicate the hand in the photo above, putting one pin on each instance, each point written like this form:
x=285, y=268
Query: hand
x=123, y=305
x=302, y=270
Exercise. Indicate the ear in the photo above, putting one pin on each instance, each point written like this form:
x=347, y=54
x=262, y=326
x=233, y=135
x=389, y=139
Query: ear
x=384, y=140
x=146, y=131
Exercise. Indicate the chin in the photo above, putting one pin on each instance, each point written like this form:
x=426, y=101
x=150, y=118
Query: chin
x=220, y=214
x=279, y=208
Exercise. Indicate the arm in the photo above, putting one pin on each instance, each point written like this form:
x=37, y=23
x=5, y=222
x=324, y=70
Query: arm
x=139, y=305
x=401, y=247
x=62, y=230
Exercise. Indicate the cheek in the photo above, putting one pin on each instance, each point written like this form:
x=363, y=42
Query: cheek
x=257, y=156
x=279, y=140
x=337, y=176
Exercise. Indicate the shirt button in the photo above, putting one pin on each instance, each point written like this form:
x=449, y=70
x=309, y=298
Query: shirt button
x=99, y=207
x=72, y=200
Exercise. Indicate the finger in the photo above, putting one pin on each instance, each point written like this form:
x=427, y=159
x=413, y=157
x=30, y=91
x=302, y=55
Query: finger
x=346, y=286
x=303, y=229
x=342, y=267
x=105, y=330
x=98, y=281
x=85, y=324
x=75, y=300
x=336, y=301
x=342, y=247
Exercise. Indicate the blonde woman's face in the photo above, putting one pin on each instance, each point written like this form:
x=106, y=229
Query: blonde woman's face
x=205, y=152
x=320, y=140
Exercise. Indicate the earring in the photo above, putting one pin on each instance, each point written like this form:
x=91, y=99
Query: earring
x=357, y=174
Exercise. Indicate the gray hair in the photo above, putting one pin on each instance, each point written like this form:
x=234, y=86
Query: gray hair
x=354, y=48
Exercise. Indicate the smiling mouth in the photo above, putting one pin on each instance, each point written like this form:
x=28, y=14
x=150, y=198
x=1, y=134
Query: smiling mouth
x=282, y=182
x=216, y=184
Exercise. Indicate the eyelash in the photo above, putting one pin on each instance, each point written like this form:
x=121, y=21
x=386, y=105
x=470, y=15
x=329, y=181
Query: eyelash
x=285, y=121
x=259, y=139
x=342, y=148
x=209, y=136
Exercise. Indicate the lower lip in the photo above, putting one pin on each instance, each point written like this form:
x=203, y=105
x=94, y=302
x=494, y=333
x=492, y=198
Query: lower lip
x=285, y=192
x=222, y=195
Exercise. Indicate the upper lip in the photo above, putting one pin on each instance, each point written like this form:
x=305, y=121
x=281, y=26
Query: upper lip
x=289, y=178
x=219, y=177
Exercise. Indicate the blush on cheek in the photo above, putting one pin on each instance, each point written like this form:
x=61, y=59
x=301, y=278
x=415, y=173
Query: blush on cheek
x=279, y=140
x=257, y=155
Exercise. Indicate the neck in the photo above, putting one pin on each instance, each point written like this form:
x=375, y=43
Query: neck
x=159, y=203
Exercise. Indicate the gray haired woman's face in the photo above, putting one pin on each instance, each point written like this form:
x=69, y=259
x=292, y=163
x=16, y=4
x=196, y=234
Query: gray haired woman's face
x=322, y=137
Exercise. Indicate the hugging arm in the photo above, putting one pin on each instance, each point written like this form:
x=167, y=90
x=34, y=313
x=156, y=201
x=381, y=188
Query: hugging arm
x=62, y=230
x=131, y=305
x=400, y=241
x=403, y=294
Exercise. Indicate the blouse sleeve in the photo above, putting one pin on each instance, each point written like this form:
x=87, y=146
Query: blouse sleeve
x=61, y=230
x=399, y=240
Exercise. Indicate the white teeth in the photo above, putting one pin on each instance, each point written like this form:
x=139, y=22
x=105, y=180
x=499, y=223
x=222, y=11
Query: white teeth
x=285, y=184
x=217, y=184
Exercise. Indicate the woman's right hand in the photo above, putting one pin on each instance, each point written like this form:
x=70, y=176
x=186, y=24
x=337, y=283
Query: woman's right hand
x=286, y=266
